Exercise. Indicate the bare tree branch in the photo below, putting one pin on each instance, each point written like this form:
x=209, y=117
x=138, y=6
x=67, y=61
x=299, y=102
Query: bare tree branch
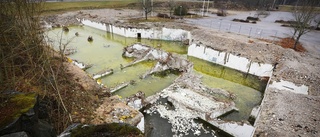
x=303, y=16
x=147, y=7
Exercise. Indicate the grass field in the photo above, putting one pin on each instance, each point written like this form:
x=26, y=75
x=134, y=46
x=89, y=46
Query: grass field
x=150, y=19
x=289, y=8
x=60, y=7
x=57, y=7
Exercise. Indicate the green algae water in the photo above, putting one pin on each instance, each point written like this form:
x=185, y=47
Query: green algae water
x=247, y=95
x=105, y=52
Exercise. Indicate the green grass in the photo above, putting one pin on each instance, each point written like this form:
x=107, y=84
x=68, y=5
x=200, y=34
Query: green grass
x=56, y=7
x=150, y=19
x=289, y=8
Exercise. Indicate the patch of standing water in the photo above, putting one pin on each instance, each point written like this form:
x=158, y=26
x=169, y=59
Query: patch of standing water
x=105, y=52
x=247, y=97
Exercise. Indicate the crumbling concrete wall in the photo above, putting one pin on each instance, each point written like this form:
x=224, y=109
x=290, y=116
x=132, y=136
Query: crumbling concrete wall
x=230, y=60
x=166, y=61
x=150, y=33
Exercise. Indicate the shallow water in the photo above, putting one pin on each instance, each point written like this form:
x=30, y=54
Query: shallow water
x=217, y=76
x=105, y=52
x=156, y=126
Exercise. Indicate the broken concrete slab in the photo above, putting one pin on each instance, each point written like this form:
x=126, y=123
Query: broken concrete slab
x=136, y=101
x=189, y=104
x=81, y=65
x=166, y=61
x=121, y=86
x=254, y=114
x=205, y=106
x=233, y=128
x=286, y=85
x=102, y=73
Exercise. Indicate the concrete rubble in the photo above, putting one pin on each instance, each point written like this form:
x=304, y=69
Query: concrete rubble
x=81, y=65
x=115, y=110
x=136, y=101
x=165, y=60
x=190, y=103
x=191, y=99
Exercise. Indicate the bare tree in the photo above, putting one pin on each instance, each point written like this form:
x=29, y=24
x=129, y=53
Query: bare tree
x=317, y=21
x=147, y=7
x=172, y=5
x=303, y=16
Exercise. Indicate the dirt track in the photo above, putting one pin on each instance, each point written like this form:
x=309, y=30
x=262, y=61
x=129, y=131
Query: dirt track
x=283, y=113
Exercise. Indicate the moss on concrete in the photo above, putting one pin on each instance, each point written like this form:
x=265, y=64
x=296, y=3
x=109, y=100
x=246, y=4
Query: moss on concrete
x=13, y=106
x=112, y=130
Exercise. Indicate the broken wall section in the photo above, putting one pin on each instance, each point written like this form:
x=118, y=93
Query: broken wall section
x=149, y=33
x=229, y=60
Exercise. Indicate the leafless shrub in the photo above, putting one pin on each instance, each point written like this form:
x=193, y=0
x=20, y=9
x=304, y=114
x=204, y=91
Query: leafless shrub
x=27, y=63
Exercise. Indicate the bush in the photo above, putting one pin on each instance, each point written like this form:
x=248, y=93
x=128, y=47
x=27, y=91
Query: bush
x=252, y=18
x=182, y=9
x=221, y=12
x=160, y=15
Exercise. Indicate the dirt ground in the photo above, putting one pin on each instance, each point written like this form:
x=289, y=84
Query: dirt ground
x=283, y=113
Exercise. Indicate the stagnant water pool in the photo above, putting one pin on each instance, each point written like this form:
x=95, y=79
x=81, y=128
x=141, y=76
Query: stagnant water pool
x=105, y=52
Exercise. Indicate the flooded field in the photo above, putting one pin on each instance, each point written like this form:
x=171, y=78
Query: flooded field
x=246, y=87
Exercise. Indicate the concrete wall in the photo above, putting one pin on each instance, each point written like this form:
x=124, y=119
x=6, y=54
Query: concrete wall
x=201, y=51
x=230, y=60
x=153, y=33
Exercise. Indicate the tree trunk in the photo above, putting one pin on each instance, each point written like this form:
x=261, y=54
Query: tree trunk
x=294, y=33
x=146, y=12
x=296, y=42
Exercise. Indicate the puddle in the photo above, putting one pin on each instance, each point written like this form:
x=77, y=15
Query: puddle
x=286, y=85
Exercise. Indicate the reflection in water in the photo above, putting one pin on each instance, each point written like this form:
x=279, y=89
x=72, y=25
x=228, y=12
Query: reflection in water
x=226, y=73
x=246, y=87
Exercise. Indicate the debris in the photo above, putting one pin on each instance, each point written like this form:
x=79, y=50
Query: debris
x=102, y=73
x=90, y=39
x=65, y=29
x=81, y=65
x=119, y=87
x=166, y=61
x=70, y=51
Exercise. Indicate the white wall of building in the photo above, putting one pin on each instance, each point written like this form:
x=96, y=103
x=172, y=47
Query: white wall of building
x=230, y=60
x=152, y=33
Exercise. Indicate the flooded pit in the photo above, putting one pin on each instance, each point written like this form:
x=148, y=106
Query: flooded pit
x=105, y=52
x=247, y=88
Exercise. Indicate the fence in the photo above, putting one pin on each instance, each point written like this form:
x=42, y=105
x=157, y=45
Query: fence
x=247, y=29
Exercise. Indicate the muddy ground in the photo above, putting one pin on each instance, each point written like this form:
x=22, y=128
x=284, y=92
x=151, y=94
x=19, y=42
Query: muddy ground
x=283, y=113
